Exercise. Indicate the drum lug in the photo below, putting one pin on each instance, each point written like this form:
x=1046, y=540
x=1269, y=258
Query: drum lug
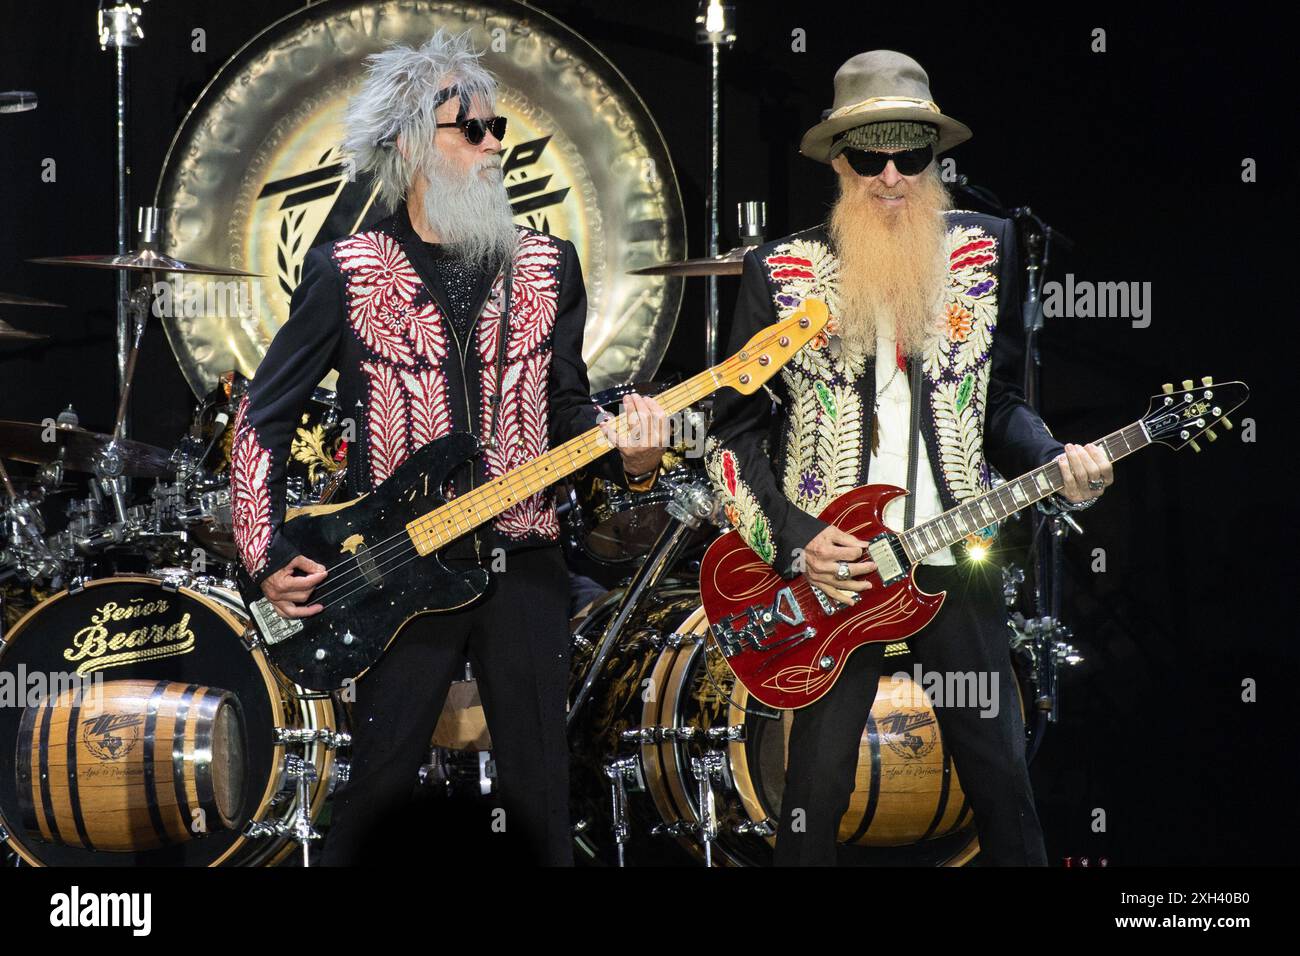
x=330, y=739
x=673, y=640
x=720, y=734
x=340, y=775
x=680, y=828
x=4, y=833
x=764, y=828
x=171, y=584
x=251, y=638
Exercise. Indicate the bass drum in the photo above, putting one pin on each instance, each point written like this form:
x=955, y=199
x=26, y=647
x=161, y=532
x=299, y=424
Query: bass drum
x=664, y=698
x=173, y=716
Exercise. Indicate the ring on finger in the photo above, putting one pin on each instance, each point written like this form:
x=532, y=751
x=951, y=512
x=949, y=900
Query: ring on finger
x=842, y=571
x=1096, y=484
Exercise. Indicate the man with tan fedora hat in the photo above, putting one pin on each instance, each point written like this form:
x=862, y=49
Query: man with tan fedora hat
x=915, y=383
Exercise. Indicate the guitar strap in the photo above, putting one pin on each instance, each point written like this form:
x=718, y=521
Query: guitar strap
x=913, y=440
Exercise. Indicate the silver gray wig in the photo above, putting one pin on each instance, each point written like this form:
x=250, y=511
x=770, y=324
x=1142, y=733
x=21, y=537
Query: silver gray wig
x=399, y=97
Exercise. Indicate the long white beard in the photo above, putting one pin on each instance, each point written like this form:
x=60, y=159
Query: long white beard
x=471, y=214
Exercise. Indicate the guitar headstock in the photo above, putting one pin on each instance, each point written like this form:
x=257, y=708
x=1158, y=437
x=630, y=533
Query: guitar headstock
x=1180, y=416
x=771, y=348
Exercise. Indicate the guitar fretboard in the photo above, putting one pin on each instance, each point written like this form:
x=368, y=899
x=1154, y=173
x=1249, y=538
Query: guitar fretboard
x=983, y=510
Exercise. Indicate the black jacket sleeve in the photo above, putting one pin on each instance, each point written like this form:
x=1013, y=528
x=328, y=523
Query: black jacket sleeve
x=569, y=394
x=297, y=359
x=735, y=458
x=1015, y=438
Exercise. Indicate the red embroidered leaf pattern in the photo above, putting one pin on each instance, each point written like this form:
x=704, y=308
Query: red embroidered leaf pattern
x=381, y=286
x=250, y=502
x=729, y=472
x=534, y=296
x=387, y=421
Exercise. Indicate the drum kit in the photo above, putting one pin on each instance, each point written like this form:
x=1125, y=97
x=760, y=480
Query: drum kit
x=195, y=752
x=116, y=589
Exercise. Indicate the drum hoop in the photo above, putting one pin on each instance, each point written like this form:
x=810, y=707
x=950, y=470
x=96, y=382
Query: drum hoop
x=273, y=690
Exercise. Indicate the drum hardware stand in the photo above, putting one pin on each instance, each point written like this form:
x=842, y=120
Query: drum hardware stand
x=303, y=773
x=620, y=773
x=715, y=28
x=299, y=827
x=707, y=767
x=690, y=504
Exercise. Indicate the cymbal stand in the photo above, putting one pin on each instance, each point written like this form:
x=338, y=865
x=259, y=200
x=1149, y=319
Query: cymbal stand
x=118, y=26
x=714, y=26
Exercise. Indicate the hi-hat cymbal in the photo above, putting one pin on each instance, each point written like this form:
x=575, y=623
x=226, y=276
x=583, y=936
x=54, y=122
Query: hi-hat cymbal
x=78, y=449
x=9, y=334
x=145, y=260
x=9, y=298
x=728, y=264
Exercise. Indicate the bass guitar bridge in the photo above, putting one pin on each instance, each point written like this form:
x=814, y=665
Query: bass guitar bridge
x=274, y=628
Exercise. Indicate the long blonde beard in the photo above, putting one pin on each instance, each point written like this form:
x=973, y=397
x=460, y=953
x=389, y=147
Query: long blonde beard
x=893, y=264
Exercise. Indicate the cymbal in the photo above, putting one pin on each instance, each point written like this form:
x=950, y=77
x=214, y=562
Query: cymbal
x=727, y=264
x=8, y=298
x=9, y=334
x=78, y=449
x=144, y=260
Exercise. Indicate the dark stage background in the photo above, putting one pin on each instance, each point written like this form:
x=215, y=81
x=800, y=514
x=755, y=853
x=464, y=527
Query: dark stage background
x=1135, y=153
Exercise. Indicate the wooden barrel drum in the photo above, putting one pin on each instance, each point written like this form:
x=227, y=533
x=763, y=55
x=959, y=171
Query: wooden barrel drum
x=131, y=765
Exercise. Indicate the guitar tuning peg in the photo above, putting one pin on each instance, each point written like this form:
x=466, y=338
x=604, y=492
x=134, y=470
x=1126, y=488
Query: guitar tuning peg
x=1206, y=380
x=1195, y=447
x=1167, y=388
x=1187, y=384
x=1209, y=433
x=1225, y=423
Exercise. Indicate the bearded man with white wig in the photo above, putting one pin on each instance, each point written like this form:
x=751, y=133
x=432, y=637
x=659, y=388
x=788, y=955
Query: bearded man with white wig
x=444, y=316
x=914, y=384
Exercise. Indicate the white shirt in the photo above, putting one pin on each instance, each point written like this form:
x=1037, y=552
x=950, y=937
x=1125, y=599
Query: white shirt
x=889, y=463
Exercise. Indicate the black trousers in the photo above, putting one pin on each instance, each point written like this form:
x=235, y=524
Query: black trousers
x=517, y=641
x=968, y=636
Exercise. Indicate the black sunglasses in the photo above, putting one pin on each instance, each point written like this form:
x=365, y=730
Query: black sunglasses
x=476, y=129
x=870, y=163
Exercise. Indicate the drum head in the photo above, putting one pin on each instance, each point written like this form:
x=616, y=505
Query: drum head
x=197, y=642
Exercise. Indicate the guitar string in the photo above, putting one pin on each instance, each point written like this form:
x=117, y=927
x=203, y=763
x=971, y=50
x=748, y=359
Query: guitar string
x=581, y=448
x=961, y=513
x=490, y=495
x=803, y=581
x=386, y=565
x=403, y=551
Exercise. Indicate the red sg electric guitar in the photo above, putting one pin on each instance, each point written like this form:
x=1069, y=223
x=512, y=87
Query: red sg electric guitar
x=787, y=641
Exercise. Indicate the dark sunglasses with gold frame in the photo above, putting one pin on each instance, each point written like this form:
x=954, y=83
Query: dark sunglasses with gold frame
x=909, y=162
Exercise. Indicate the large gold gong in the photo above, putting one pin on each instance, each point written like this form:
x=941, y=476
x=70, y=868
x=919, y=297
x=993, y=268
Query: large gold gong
x=255, y=176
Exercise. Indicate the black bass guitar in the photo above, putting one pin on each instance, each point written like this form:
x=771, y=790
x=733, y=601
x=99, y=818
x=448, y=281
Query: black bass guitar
x=381, y=550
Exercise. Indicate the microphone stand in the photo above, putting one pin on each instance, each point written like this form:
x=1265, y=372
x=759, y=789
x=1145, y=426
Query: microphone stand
x=1044, y=634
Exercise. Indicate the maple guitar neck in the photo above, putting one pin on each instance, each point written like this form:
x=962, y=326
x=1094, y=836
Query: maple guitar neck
x=970, y=516
x=746, y=370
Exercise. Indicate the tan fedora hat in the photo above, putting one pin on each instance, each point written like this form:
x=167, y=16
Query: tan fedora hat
x=876, y=87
